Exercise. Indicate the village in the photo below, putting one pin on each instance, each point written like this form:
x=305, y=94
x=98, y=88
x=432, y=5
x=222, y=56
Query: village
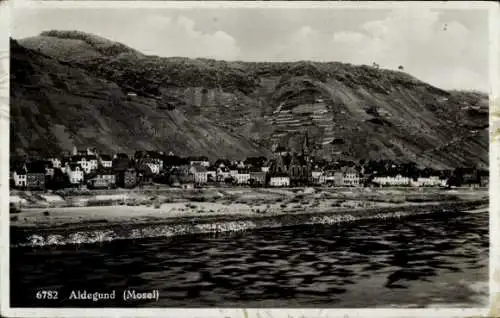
x=92, y=170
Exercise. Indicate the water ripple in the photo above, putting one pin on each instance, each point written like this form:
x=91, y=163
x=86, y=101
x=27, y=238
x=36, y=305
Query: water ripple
x=421, y=262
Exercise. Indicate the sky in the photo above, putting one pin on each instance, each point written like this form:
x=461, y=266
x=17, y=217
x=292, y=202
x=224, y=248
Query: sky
x=446, y=48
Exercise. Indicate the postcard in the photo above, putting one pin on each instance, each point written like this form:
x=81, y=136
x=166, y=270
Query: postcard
x=250, y=159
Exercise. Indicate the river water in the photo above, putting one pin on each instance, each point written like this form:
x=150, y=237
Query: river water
x=422, y=261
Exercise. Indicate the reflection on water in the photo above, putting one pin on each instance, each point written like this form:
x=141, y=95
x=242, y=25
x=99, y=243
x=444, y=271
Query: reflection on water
x=416, y=262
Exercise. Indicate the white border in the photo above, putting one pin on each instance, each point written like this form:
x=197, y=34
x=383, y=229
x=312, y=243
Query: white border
x=465, y=5
x=492, y=310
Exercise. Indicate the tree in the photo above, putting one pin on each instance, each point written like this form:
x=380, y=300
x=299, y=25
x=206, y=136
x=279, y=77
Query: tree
x=210, y=178
x=58, y=181
x=255, y=161
x=400, y=67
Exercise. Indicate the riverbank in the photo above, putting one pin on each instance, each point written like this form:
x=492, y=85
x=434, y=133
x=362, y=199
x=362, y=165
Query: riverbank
x=227, y=210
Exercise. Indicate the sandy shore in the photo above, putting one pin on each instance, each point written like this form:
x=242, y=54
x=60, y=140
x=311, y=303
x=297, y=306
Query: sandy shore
x=139, y=215
x=134, y=206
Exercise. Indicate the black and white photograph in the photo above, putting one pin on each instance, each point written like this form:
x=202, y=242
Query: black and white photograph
x=249, y=156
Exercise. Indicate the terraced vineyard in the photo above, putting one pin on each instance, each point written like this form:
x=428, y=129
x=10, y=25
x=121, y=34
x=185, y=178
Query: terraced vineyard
x=73, y=89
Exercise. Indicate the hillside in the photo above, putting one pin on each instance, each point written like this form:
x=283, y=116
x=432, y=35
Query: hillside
x=73, y=88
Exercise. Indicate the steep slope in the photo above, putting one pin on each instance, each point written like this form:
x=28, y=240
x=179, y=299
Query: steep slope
x=351, y=112
x=56, y=106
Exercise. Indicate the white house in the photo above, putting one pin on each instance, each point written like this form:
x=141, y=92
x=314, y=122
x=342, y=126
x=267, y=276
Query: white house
x=200, y=174
x=233, y=173
x=84, y=164
x=432, y=181
x=398, y=180
x=318, y=177
x=264, y=169
x=329, y=176
x=154, y=166
x=350, y=177
x=20, y=176
x=106, y=161
x=87, y=164
x=316, y=173
x=92, y=162
x=75, y=173
x=203, y=163
x=279, y=181
x=241, y=164
x=91, y=151
x=56, y=162
x=243, y=178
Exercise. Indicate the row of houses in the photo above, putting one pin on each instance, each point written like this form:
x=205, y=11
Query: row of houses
x=75, y=173
x=90, y=168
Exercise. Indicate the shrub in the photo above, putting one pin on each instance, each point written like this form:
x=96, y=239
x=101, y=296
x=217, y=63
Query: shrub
x=13, y=209
x=14, y=218
x=283, y=205
x=46, y=213
x=157, y=205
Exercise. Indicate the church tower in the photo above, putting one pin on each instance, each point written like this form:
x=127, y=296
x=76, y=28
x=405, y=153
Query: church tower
x=306, y=148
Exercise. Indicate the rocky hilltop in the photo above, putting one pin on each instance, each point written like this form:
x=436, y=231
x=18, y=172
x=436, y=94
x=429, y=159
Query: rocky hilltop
x=72, y=88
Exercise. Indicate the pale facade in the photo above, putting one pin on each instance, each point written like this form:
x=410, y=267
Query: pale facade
x=20, y=179
x=75, y=174
x=203, y=163
x=318, y=177
x=279, y=181
x=200, y=177
x=88, y=165
x=429, y=182
x=350, y=178
x=56, y=162
x=233, y=173
x=243, y=178
x=398, y=180
x=155, y=167
x=106, y=163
